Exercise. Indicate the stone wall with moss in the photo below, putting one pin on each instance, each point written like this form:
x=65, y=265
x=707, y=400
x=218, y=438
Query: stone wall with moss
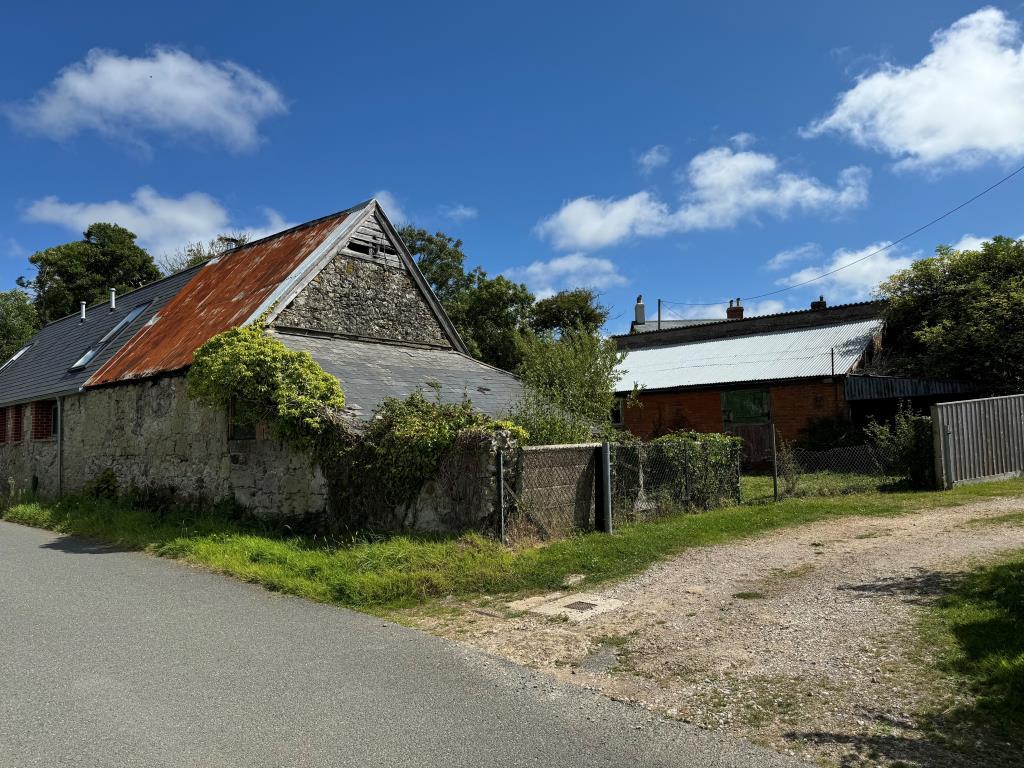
x=152, y=435
x=29, y=465
x=357, y=297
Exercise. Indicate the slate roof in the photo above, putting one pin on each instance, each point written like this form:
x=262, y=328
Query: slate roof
x=370, y=371
x=43, y=371
x=767, y=356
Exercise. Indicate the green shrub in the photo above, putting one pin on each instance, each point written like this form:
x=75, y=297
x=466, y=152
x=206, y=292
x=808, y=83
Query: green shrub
x=548, y=424
x=826, y=432
x=698, y=469
x=400, y=451
x=264, y=381
x=103, y=486
x=905, y=446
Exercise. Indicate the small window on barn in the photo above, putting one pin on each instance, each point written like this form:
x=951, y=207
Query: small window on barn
x=125, y=321
x=3, y=425
x=15, y=356
x=17, y=423
x=42, y=419
x=54, y=419
x=238, y=429
x=617, y=411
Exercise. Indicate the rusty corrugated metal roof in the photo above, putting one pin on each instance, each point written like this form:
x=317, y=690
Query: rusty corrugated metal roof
x=225, y=293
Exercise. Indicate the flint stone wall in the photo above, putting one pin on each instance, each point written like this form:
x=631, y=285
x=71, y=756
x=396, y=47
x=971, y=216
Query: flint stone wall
x=28, y=466
x=357, y=297
x=152, y=435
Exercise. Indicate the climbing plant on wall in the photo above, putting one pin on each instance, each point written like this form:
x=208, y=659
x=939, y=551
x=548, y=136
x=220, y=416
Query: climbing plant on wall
x=264, y=381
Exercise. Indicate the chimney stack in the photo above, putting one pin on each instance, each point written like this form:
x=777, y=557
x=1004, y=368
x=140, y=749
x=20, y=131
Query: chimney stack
x=819, y=304
x=639, y=312
x=735, y=311
x=113, y=299
x=81, y=311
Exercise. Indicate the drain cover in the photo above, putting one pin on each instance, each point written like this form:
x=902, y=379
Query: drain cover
x=581, y=605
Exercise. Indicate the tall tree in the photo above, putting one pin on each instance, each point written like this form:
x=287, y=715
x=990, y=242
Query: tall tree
x=566, y=310
x=18, y=322
x=490, y=313
x=960, y=314
x=198, y=252
x=84, y=270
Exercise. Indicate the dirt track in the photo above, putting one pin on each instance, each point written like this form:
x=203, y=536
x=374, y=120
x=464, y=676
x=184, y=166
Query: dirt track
x=803, y=639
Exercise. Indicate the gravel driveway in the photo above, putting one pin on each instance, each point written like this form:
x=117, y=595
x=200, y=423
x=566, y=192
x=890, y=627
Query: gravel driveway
x=802, y=640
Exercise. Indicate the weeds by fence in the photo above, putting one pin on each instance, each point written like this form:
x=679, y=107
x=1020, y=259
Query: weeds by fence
x=831, y=472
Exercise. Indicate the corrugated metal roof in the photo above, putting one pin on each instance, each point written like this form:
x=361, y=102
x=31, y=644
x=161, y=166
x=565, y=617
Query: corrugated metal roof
x=44, y=370
x=225, y=293
x=867, y=387
x=785, y=354
x=370, y=371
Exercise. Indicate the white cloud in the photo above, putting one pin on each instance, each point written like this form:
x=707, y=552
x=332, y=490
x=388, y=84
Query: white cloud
x=458, y=212
x=163, y=224
x=14, y=249
x=653, y=158
x=803, y=252
x=969, y=243
x=857, y=280
x=575, y=270
x=392, y=208
x=723, y=187
x=961, y=105
x=167, y=92
x=743, y=140
x=717, y=311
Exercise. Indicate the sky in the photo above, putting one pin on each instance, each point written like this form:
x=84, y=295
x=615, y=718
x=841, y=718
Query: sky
x=682, y=151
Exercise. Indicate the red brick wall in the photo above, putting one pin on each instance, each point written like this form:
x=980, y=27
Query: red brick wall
x=659, y=413
x=793, y=405
x=17, y=423
x=3, y=425
x=42, y=420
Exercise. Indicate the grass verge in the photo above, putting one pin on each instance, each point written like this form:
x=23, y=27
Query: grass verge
x=405, y=570
x=979, y=627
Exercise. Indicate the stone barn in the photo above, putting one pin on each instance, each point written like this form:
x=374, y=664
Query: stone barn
x=105, y=388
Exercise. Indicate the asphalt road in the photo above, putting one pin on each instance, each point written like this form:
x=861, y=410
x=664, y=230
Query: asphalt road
x=112, y=658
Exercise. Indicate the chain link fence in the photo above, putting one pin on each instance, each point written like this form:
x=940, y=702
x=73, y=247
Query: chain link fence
x=831, y=472
x=650, y=480
x=551, y=492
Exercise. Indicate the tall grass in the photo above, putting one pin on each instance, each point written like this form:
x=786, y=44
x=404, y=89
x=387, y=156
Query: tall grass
x=405, y=570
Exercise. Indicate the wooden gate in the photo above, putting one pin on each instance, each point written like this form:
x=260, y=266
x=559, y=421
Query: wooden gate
x=747, y=413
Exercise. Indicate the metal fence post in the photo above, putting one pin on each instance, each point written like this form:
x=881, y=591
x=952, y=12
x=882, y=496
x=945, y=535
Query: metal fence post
x=775, y=467
x=500, y=461
x=603, y=488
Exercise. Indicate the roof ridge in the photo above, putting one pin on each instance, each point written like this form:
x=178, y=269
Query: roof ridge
x=295, y=228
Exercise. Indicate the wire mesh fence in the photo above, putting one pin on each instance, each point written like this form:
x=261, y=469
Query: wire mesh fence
x=831, y=472
x=650, y=480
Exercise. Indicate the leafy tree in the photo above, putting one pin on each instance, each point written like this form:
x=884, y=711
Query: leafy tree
x=960, y=314
x=198, y=252
x=84, y=270
x=578, y=308
x=490, y=313
x=18, y=321
x=576, y=371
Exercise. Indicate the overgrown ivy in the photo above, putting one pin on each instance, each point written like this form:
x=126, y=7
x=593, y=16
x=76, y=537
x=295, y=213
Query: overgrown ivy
x=264, y=381
x=371, y=469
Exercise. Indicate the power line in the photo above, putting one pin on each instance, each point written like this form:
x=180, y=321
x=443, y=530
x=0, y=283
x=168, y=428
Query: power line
x=894, y=243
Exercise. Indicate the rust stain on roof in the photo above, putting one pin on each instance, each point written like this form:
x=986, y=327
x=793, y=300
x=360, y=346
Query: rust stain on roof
x=222, y=295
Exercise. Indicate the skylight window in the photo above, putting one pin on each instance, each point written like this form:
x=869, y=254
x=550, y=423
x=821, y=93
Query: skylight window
x=15, y=356
x=91, y=353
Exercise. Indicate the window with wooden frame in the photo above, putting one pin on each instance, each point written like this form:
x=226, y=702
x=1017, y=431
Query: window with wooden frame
x=3, y=424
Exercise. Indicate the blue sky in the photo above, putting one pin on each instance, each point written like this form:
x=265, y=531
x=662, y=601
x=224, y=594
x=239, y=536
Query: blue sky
x=684, y=152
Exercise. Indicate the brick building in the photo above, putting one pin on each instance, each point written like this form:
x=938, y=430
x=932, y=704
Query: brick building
x=742, y=374
x=104, y=389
